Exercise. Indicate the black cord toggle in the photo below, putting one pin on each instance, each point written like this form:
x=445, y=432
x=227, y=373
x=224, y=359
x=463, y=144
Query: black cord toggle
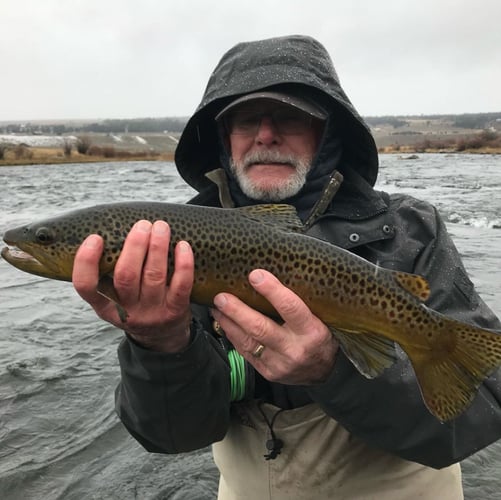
x=274, y=446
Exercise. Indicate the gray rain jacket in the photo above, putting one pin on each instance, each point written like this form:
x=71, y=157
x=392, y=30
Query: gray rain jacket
x=174, y=403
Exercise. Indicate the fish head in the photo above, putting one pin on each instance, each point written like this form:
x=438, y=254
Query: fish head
x=47, y=248
x=41, y=249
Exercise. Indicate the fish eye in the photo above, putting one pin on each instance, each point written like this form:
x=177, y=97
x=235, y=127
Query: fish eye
x=43, y=235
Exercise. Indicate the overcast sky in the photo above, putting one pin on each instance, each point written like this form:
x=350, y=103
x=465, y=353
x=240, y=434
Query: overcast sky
x=72, y=59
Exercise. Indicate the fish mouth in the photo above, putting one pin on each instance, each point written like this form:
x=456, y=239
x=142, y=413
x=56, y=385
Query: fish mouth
x=21, y=259
x=24, y=261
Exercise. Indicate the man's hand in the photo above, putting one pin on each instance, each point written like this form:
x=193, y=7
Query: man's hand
x=158, y=316
x=300, y=351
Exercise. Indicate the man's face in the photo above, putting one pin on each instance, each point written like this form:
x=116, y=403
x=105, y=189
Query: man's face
x=272, y=146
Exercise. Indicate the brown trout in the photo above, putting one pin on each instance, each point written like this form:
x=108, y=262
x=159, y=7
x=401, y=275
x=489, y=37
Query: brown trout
x=367, y=308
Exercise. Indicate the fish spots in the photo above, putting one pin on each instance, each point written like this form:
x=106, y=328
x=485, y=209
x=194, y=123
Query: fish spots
x=449, y=358
x=228, y=245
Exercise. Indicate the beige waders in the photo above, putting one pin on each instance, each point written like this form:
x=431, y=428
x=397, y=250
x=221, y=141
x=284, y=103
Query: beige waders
x=319, y=460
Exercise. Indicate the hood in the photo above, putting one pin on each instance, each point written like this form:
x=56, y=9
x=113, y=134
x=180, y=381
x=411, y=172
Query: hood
x=298, y=64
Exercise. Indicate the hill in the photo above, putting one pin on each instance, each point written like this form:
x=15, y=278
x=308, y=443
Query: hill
x=156, y=138
x=418, y=133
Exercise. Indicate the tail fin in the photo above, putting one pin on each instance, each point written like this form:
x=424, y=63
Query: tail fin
x=450, y=374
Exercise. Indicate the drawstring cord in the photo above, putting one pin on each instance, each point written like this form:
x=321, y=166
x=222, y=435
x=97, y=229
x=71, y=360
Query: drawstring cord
x=274, y=445
x=325, y=199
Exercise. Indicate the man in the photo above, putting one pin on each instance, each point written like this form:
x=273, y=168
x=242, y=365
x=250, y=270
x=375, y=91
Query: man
x=275, y=125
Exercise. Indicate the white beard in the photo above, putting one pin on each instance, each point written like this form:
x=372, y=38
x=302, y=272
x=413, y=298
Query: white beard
x=286, y=189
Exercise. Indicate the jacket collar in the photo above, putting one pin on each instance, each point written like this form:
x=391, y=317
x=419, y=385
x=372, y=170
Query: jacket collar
x=354, y=199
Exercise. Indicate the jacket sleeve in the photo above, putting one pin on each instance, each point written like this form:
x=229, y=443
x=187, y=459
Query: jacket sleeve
x=174, y=403
x=388, y=412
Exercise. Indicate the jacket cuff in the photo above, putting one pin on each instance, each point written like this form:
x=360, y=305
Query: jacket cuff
x=194, y=353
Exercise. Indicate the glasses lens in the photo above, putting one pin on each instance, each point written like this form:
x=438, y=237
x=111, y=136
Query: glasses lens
x=287, y=121
x=244, y=122
x=291, y=122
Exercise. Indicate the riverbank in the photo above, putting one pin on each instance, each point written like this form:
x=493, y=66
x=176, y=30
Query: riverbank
x=50, y=156
x=43, y=156
x=43, y=149
x=412, y=150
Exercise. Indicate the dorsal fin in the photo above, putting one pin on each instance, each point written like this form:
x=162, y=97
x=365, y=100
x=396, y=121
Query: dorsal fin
x=279, y=216
x=416, y=285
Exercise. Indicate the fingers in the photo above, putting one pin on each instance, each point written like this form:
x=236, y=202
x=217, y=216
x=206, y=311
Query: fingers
x=262, y=330
x=141, y=271
x=129, y=268
x=181, y=284
x=299, y=350
x=245, y=327
x=140, y=274
x=153, y=280
x=254, y=328
x=158, y=312
x=288, y=305
x=86, y=270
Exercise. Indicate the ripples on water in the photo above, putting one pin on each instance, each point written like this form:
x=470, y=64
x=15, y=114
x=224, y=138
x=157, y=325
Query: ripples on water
x=464, y=188
x=59, y=436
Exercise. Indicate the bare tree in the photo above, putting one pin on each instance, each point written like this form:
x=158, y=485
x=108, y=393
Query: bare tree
x=67, y=147
x=3, y=150
x=83, y=144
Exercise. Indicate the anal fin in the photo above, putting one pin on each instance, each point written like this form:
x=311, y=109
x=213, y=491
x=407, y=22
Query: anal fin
x=369, y=353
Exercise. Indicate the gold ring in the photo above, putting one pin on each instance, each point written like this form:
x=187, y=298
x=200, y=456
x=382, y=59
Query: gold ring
x=258, y=351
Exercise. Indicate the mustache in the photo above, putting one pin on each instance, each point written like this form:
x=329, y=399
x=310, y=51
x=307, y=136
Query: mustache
x=270, y=157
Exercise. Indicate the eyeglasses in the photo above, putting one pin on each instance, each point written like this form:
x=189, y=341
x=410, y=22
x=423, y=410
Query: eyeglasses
x=286, y=120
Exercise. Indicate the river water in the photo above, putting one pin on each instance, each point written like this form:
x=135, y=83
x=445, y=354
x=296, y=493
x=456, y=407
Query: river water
x=59, y=436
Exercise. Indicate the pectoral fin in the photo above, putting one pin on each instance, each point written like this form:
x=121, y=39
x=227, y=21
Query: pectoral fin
x=106, y=288
x=369, y=353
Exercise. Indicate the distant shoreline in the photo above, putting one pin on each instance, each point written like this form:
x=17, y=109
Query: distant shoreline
x=405, y=137
x=412, y=150
x=78, y=159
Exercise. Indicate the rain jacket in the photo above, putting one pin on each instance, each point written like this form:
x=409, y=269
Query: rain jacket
x=174, y=403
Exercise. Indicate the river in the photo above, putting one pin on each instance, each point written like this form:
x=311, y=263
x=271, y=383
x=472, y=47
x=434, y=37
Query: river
x=59, y=435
